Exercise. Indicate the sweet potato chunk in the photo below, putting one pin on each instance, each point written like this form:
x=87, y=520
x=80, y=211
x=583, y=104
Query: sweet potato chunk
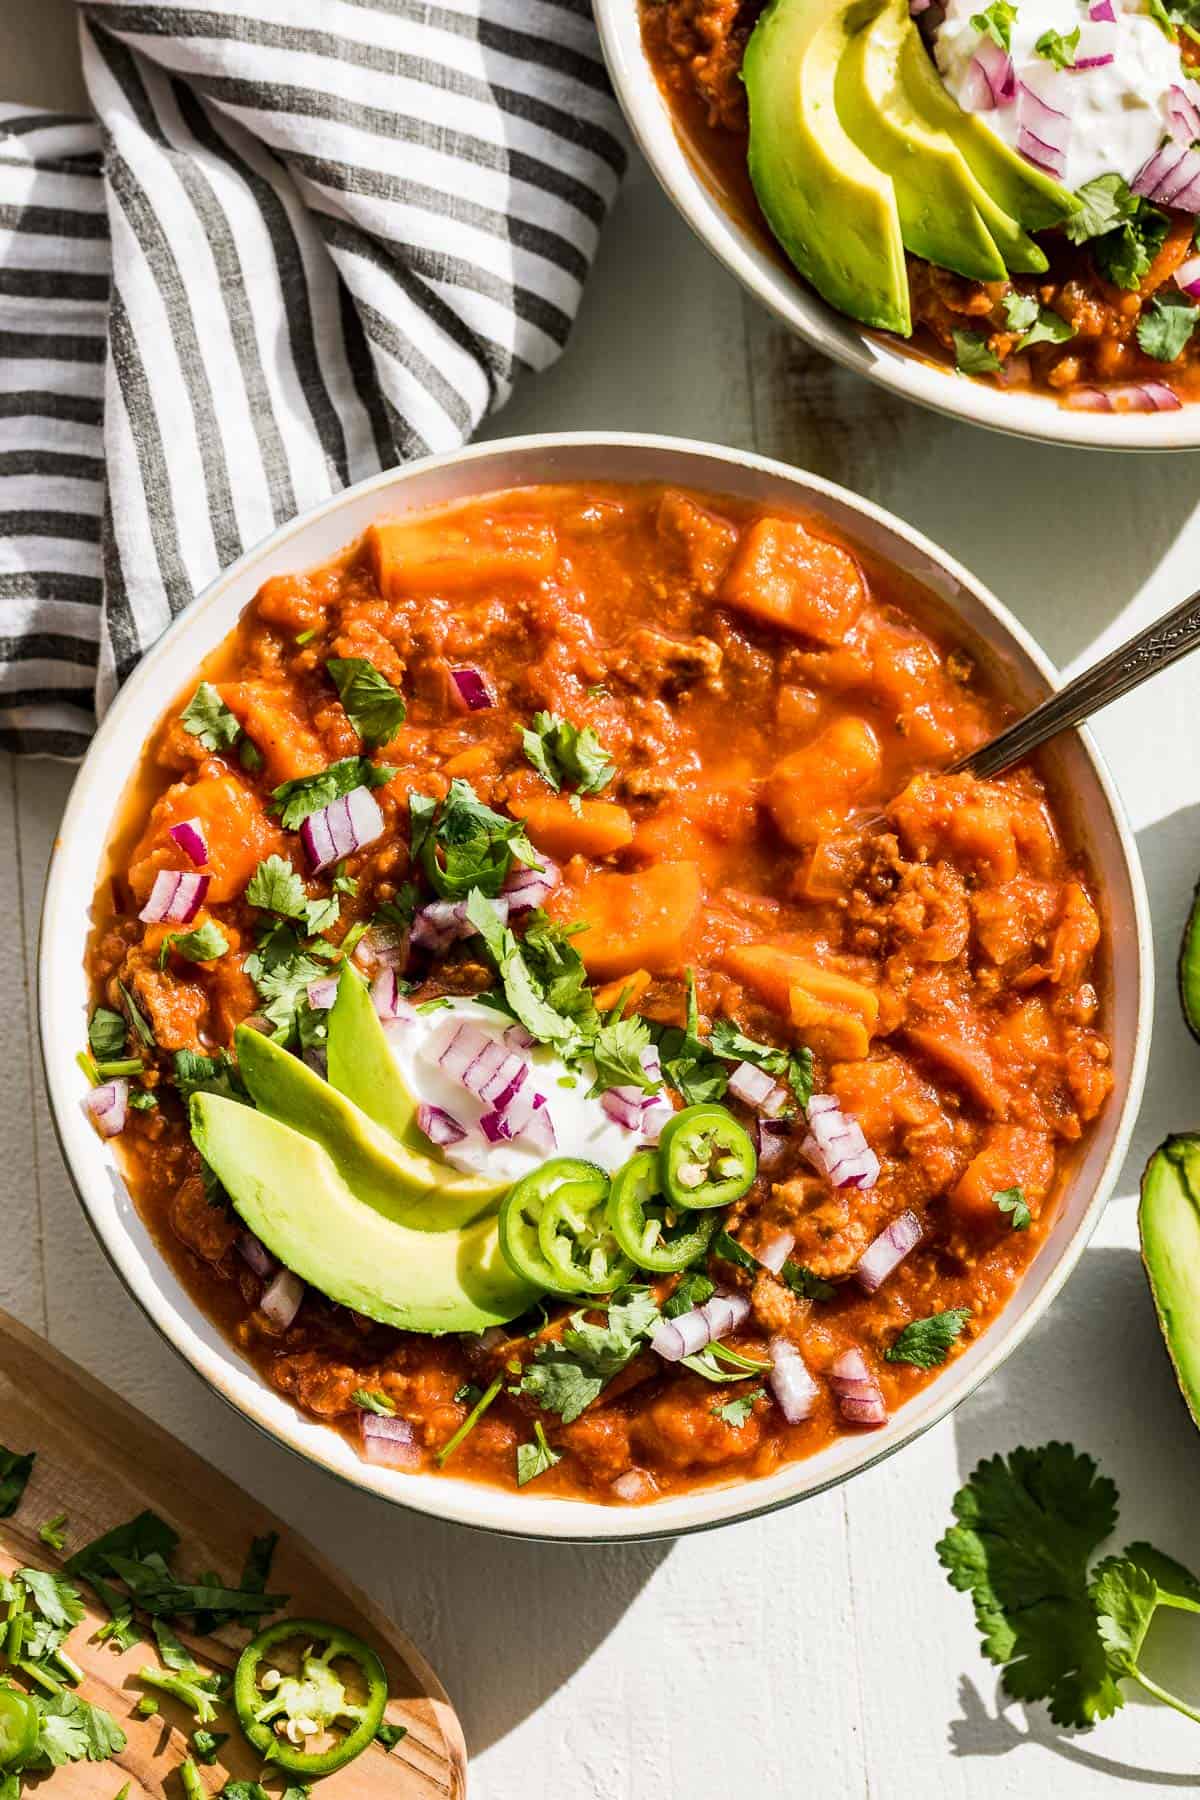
x=1075, y=937
x=829, y=1011
x=267, y=716
x=444, y=556
x=785, y=576
x=1012, y=1156
x=238, y=831
x=967, y=1064
x=597, y=828
x=636, y=921
x=809, y=792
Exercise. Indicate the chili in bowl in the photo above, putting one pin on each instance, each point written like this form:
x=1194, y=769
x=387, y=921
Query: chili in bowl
x=540, y=1102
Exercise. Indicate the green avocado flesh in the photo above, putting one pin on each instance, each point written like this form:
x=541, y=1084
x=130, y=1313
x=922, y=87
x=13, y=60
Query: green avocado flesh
x=299, y=1200
x=1189, y=969
x=859, y=153
x=1169, y=1223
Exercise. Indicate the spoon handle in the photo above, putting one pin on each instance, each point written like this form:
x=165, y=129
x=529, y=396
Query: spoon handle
x=1153, y=649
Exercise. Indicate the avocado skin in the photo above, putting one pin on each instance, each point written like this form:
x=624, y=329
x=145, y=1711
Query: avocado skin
x=1189, y=969
x=400, y=1183
x=832, y=210
x=1169, y=1226
x=290, y=1193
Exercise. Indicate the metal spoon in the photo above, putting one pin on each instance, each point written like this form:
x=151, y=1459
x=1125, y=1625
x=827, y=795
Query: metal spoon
x=1155, y=648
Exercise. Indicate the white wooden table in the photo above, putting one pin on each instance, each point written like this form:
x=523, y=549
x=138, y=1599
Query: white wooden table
x=819, y=1652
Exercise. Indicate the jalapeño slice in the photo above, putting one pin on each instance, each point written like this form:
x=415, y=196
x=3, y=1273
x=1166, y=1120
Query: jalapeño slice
x=283, y=1713
x=521, y=1218
x=575, y=1238
x=651, y=1230
x=19, y=1726
x=707, y=1158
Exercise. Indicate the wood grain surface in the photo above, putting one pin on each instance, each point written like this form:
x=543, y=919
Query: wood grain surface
x=101, y=1462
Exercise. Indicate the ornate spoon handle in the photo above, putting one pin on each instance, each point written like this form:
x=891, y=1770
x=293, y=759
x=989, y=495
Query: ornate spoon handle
x=1153, y=649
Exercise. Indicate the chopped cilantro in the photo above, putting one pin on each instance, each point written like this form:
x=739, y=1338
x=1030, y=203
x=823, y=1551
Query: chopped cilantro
x=107, y=1031
x=136, y=1017
x=720, y=1363
x=566, y=756
x=205, y=1744
x=295, y=800
x=250, y=756
x=142, y=1100
x=1059, y=49
x=616, y=1050
x=372, y=1401
x=275, y=886
x=203, y=945
x=996, y=22
x=52, y=1533
x=196, y=1074
x=469, y=1423
x=281, y=970
x=567, y=1374
x=926, y=1342
x=1105, y=202
x=208, y=718
x=973, y=355
x=544, y=980
x=536, y=1458
x=693, y=1291
x=72, y=1730
x=1124, y=256
x=1165, y=330
x=1036, y=324
x=372, y=704
x=462, y=844
x=14, y=1474
x=735, y=1412
x=729, y=1248
x=1012, y=1201
x=793, y=1066
x=803, y=1282
x=468, y=1394
x=390, y=1735
x=687, y=1060
x=343, y=883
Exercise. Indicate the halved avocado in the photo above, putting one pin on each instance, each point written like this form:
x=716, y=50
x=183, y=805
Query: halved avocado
x=297, y=1198
x=832, y=209
x=400, y=1183
x=1189, y=969
x=1169, y=1224
x=1035, y=200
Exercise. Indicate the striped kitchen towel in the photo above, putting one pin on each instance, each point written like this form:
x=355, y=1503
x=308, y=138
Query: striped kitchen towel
x=302, y=240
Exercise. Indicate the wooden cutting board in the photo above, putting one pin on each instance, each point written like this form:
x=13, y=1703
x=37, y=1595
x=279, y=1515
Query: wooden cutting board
x=101, y=1462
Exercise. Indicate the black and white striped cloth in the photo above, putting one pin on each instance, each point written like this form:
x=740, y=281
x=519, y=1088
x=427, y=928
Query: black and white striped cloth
x=300, y=241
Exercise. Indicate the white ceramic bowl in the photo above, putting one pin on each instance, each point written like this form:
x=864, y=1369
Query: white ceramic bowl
x=768, y=276
x=995, y=636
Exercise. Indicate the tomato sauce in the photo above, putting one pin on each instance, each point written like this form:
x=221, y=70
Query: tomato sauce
x=759, y=688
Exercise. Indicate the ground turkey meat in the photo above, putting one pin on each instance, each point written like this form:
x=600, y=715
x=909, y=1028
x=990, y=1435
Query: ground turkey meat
x=651, y=663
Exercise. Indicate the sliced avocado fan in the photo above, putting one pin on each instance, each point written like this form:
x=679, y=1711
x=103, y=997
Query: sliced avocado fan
x=1169, y=1224
x=1189, y=969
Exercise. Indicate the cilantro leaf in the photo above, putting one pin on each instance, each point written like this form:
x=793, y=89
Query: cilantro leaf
x=536, y=1458
x=544, y=980
x=196, y=1074
x=1012, y=1201
x=566, y=1375
x=390, y=1735
x=926, y=1342
x=1126, y=1592
x=1058, y=49
x=244, y=1790
x=1026, y=1527
x=1020, y=310
x=728, y=1247
x=566, y=756
x=687, y=1060
x=14, y=1473
x=136, y=1017
x=204, y=944
x=1164, y=331
x=973, y=355
x=794, y=1067
x=735, y=1412
x=370, y=1400
x=372, y=704
x=56, y=1600
x=281, y=970
x=804, y=1283
x=996, y=22
x=208, y=718
x=72, y=1730
x=1036, y=324
x=693, y=1291
x=107, y=1031
x=462, y=844
x=1124, y=256
x=616, y=1050
x=295, y=800
x=1105, y=202
x=276, y=887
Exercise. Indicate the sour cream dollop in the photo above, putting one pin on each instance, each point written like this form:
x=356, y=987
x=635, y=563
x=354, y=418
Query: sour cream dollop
x=582, y=1128
x=1117, y=113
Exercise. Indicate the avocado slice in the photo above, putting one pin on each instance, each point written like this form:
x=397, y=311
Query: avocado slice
x=945, y=215
x=295, y=1197
x=832, y=209
x=1189, y=969
x=402, y=1184
x=1169, y=1224
x=1028, y=195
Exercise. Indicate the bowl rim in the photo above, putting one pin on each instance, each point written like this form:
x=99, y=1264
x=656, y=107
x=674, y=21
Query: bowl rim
x=475, y=1503
x=801, y=309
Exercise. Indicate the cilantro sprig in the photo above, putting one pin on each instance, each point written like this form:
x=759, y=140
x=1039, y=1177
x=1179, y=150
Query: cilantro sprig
x=372, y=704
x=926, y=1342
x=567, y=756
x=207, y=717
x=568, y=1373
x=462, y=844
x=293, y=801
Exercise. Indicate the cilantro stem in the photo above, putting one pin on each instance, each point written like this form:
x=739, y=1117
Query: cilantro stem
x=469, y=1423
x=89, y=1068
x=41, y=1676
x=189, y=1774
x=1152, y=1687
x=130, y=1065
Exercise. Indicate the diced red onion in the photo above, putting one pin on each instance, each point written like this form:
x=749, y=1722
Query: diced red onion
x=649, y=1058
x=517, y=1038
x=1101, y=12
x=772, y=1135
x=703, y=1325
x=1095, y=48
x=108, y=1107
x=462, y=1047
x=836, y=1145
x=634, y=1485
x=775, y=1252
x=858, y=1394
x=790, y=1382
x=389, y=999
x=443, y=922
x=750, y=1084
x=493, y=1337
x=1127, y=397
x=1099, y=61
x=323, y=993
x=625, y=1105
x=471, y=689
x=528, y=1118
x=1043, y=131
x=281, y=1300
x=1041, y=153
x=1168, y=176
x=255, y=1254
x=992, y=80
x=1187, y=277
x=1183, y=116
x=345, y=825
x=191, y=840
x=389, y=1441
x=888, y=1251
x=175, y=898
x=655, y=1118
x=526, y=888
x=439, y=1126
